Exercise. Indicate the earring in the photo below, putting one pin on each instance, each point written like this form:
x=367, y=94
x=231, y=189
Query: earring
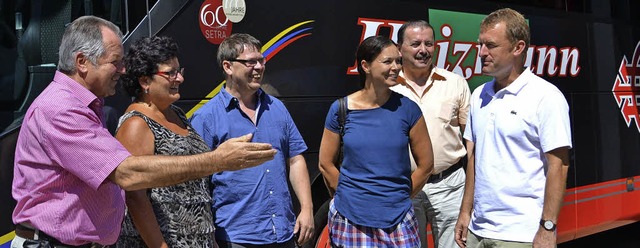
x=146, y=91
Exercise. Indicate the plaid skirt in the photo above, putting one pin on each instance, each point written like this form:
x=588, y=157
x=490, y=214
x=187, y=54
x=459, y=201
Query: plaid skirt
x=344, y=233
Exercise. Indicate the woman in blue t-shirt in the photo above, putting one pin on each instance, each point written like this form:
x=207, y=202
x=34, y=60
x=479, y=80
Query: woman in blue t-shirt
x=372, y=190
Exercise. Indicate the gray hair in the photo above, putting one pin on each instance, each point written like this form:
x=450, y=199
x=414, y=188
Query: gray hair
x=233, y=46
x=84, y=35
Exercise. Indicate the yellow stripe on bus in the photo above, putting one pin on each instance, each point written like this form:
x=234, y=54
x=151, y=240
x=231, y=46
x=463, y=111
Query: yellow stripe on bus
x=280, y=35
x=202, y=102
x=7, y=237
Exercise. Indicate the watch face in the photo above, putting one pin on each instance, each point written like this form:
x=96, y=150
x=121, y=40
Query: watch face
x=548, y=225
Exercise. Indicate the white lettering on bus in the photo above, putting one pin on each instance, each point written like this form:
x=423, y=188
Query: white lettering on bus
x=371, y=27
x=549, y=60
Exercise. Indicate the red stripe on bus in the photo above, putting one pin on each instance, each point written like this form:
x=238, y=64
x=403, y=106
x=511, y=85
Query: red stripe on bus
x=599, y=207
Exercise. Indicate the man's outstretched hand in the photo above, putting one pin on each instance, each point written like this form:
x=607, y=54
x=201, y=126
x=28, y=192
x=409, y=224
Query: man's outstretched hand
x=240, y=153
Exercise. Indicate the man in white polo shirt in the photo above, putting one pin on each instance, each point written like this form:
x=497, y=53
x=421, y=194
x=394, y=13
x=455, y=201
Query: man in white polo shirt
x=518, y=140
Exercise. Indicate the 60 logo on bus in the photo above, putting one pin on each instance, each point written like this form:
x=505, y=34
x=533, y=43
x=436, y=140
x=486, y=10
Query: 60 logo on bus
x=214, y=24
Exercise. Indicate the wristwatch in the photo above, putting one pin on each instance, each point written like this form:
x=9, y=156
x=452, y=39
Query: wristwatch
x=548, y=225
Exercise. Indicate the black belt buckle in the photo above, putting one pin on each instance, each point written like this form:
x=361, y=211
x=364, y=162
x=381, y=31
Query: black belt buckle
x=41, y=243
x=446, y=172
x=436, y=177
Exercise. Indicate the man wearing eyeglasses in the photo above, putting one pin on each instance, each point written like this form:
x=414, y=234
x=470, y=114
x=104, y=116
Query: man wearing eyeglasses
x=253, y=207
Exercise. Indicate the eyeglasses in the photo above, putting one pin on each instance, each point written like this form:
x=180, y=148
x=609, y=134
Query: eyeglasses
x=172, y=74
x=249, y=62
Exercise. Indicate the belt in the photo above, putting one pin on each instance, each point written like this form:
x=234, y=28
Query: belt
x=445, y=173
x=30, y=233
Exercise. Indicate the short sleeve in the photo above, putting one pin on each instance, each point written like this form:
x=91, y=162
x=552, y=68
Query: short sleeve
x=468, y=130
x=414, y=111
x=331, y=122
x=411, y=109
x=200, y=124
x=553, y=116
x=296, y=142
x=468, y=133
x=465, y=98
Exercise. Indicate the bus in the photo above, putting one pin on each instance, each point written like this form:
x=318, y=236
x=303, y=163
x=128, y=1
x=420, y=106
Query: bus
x=589, y=49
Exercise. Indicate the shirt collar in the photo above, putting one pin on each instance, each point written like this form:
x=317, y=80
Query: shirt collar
x=83, y=94
x=519, y=83
x=434, y=76
x=513, y=88
x=231, y=101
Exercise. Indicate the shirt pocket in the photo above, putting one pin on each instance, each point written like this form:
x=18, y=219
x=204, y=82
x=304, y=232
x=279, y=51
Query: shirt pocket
x=274, y=133
x=448, y=112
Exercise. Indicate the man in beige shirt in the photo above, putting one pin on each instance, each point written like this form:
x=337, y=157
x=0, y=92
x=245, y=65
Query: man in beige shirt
x=443, y=97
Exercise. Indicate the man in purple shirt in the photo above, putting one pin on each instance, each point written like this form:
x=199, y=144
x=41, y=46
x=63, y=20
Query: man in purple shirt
x=70, y=172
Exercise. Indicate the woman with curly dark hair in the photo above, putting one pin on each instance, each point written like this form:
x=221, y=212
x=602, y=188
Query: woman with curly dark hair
x=174, y=216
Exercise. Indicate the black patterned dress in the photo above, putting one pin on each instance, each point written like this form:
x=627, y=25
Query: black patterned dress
x=183, y=211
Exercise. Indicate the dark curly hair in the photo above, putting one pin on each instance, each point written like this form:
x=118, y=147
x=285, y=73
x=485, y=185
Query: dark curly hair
x=142, y=60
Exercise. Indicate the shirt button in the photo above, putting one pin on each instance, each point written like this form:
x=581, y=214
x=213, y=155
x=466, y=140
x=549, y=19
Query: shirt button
x=267, y=170
x=271, y=192
x=273, y=216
